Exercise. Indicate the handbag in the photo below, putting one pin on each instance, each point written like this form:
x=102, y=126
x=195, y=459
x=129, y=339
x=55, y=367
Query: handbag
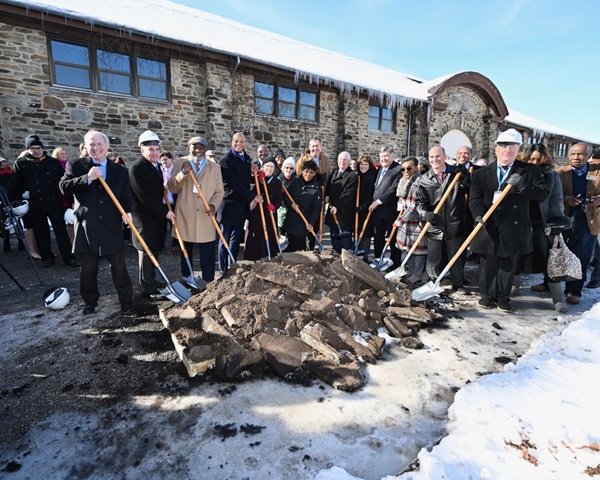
x=563, y=264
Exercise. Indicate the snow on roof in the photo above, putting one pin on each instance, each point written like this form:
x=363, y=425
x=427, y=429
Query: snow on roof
x=539, y=127
x=178, y=23
x=163, y=19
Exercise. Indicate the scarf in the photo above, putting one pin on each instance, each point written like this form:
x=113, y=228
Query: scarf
x=404, y=185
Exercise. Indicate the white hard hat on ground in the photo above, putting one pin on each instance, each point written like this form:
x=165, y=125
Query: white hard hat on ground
x=57, y=298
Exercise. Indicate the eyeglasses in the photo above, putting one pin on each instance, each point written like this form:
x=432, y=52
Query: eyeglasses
x=289, y=167
x=506, y=144
x=406, y=169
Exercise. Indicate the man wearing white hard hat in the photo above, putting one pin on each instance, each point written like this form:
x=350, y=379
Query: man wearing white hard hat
x=148, y=210
x=507, y=233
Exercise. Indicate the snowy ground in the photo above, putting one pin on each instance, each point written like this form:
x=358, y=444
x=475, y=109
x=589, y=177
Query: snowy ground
x=501, y=424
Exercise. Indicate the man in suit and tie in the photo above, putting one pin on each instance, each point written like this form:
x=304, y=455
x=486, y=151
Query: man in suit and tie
x=149, y=212
x=98, y=222
x=384, y=203
x=449, y=225
x=507, y=234
x=340, y=193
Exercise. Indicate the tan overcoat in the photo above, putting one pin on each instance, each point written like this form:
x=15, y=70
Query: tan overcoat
x=193, y=222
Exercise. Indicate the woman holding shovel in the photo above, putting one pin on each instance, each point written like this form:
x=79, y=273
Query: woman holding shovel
x=367, y=174
x=254, y=244
x=306, y=200
x=288, y=173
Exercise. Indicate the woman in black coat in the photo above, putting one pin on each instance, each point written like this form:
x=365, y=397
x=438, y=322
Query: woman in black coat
x=307, y=195
x=255, y=246
x=367, y=174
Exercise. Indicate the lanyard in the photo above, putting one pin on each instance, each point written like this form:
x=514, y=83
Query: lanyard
x=502, y=178
x=200, y=168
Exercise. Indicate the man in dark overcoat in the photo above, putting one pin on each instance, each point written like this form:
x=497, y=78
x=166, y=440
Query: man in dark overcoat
x=148, y=210
x=236, y=169
x=340, y=193
x=384, y=203
x=98, y=222
x=508, y=233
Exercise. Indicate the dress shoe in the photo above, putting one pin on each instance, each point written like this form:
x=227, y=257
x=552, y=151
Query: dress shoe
x=504, y=305
x=127, y=309
x=71, y=262
x=89, y=309
x=485, y=302
x=560, y=307
x=459, y=289
x=542, y=287
x=593, y=284
x=573, y=299
x=49, y=262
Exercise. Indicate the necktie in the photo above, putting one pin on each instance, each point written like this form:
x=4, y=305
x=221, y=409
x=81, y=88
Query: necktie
x=441, y=176
x=197, y=165
x=381, y=176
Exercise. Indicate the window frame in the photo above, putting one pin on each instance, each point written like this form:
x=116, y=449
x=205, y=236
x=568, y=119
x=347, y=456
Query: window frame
x=380, y=118
x=95, y=71
x=278, y=102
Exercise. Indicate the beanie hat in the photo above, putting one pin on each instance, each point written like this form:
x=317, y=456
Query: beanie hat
x=289, y=161
x=268, y=160
x=33, y=141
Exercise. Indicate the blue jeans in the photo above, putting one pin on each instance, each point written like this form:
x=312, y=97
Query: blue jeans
x=581, y=242
x=234, y=235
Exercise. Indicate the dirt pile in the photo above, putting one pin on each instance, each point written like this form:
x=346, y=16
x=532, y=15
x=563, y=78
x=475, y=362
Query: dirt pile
x=301, y=315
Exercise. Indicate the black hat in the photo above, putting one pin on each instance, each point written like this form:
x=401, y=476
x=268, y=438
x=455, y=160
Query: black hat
x=33, y=141
x=279, y=152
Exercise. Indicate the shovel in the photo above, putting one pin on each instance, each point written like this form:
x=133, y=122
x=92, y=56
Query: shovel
x=356, y=210
x=282, y=242
x=194, y=282
x=432, y=289
x=401, y=270
x=177, y=293
x=262, y=215
x=356, y=251
x=382, y=264
x=212, y=217
x=340, y=233
x=308, y=225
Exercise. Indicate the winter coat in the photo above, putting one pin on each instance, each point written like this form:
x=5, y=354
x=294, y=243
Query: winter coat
x=194, y=223
x=147, y=207
x=255, y=247
x=309, y=197
x=98, y=222
x=41, y=180
x=508, y=231
x=592, y=214
x=386, y=193
x=454, y=211
x=410, y=226
x=282, y=210
x=341, y=191
x=237, y=178
x=324, y=166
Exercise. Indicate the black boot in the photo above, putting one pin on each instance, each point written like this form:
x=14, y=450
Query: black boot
x=21, y=245
x=7, y=244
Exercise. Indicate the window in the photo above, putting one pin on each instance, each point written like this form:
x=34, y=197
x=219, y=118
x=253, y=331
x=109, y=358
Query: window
x=561, y=149
x=100, y=70
x=381, y=118
x=285, y=101
x=534, y=139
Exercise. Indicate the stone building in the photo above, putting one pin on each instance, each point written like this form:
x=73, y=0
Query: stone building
x=66, y=68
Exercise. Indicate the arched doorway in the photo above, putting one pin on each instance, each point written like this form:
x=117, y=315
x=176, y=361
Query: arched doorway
x=453, y=140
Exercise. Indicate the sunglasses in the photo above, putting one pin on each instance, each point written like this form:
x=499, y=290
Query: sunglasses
x=406, y=169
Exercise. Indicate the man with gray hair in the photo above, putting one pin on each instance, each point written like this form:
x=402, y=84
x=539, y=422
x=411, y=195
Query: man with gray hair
x=98, y=222
x=581, y=191
x=384, y=203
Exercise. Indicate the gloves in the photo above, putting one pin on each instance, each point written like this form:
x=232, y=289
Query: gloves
x=271, y=207
x=517, y=181
x=479, y=219
x=261, y=175
x=432, y=217
x=398, y=223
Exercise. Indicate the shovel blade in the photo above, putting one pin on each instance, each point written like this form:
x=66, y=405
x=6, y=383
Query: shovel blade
x=177, y=293
x=283, y=243
x=426, y=291
x=196, y=283
x=396, y=274
x=381, y=265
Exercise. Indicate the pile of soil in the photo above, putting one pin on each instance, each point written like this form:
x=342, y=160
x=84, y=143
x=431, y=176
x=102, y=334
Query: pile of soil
x=299, y=316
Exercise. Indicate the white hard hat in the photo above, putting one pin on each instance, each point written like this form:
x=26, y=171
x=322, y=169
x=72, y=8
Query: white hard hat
x=148, y=138
x=70, y=216
x=57, y=298
x=20, y=207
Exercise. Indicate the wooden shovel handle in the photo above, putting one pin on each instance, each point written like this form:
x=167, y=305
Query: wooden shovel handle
x=177, y=232
x=272, y=214
x=299, y=212
x=262, y=212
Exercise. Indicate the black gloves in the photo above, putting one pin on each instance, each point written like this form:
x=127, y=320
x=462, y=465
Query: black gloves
x=517, y=181
x=432, y=218
x=479, y=219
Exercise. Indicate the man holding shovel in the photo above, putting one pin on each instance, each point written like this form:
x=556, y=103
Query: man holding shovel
x=98, y=222
x=507, y=234
x=149, y=212
x=449, y=224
